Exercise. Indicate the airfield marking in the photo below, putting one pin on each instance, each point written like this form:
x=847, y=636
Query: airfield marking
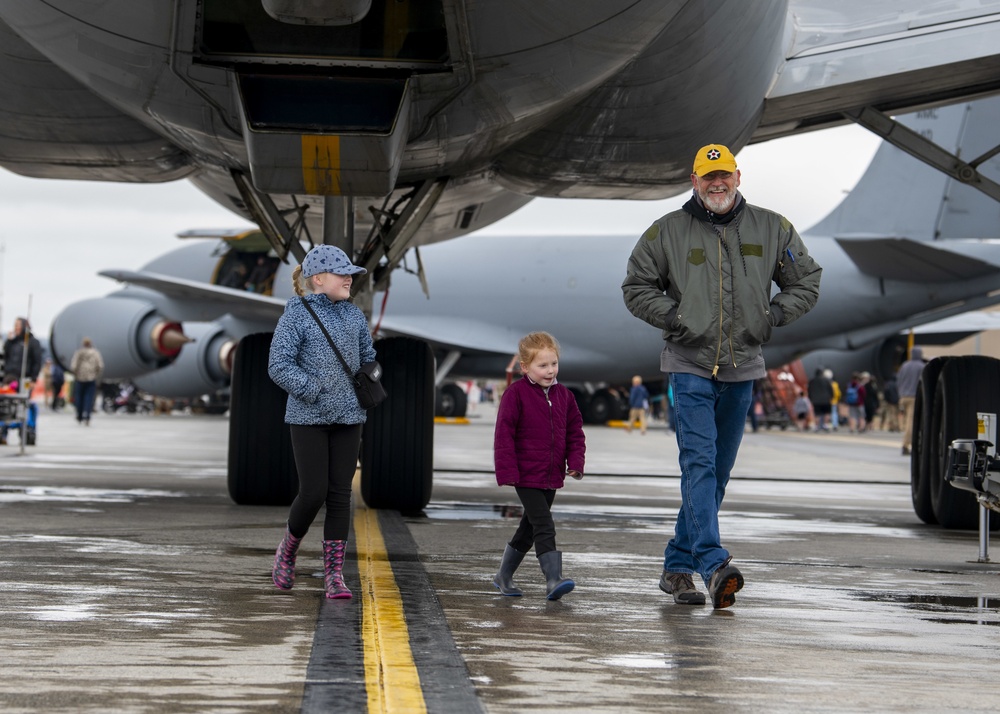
x=390, y=673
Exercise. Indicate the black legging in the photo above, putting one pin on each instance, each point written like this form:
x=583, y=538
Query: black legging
x=326, y=458
x=536, y=526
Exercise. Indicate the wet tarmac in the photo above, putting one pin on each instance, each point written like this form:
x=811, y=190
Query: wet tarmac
x=129, y=582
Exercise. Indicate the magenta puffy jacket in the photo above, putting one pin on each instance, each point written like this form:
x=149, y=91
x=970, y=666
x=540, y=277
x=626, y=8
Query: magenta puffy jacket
x=537, y=438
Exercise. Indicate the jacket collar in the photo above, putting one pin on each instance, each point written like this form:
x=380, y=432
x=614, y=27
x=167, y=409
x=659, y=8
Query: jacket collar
x=536, y=384
x=696, y=208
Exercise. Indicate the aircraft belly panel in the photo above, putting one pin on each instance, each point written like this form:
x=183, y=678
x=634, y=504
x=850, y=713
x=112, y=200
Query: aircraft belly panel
x=634, y=136
x=51, y=126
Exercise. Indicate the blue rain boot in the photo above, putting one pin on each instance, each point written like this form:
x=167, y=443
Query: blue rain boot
x=503, y=580
x=556, y=584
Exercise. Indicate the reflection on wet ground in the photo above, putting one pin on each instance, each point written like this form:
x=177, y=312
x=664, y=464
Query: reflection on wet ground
x=839, y=590
x=132, y=614
x=134, y=584
x=131, y=583
x=957, y=608
x=12, y=494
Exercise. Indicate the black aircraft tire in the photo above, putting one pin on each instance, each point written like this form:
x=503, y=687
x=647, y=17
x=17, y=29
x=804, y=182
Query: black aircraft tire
x=603, y=407
x=451, y=401
x=920, y=452
x=966, y=385
x=397, y=446
x=261, y=464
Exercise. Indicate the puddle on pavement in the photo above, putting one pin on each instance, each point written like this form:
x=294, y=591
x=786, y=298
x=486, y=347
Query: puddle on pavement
x=638, y=661
x=471, y=511
x=99, y=545
x=987, y=608
x=19, y=494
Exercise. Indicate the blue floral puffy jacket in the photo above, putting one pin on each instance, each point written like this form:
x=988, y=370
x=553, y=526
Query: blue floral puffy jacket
x=304, y=365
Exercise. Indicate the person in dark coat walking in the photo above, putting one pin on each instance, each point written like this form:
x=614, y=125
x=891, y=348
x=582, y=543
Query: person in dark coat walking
x=22, y=350
x=821, y=398
x=537, y=442
x=871, y=400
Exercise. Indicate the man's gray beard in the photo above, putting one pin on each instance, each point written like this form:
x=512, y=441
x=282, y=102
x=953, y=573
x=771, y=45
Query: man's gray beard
x=719, y=203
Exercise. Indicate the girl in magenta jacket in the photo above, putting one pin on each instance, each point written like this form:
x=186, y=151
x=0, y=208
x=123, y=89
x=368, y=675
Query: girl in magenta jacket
x=538, y=441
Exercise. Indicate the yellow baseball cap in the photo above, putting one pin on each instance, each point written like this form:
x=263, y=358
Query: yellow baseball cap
x=714, y=157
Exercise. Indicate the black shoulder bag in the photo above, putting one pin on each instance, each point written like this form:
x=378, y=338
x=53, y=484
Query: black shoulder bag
x=366, y=382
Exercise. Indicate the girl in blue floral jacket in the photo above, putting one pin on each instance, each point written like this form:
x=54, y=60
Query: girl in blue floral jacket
x=323, y=413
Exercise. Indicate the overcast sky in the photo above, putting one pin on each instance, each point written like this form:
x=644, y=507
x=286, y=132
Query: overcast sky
x=56, y=235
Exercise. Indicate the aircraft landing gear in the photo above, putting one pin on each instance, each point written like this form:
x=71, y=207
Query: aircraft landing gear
x=261, y=466
x=396, y=446
x=451, y=401
x=605, y=405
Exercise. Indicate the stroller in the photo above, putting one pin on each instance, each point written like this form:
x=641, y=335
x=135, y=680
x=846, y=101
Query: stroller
x=18, y=412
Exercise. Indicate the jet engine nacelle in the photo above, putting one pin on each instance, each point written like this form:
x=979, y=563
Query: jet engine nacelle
x=131, y=335
x=204, y=366
x=881, y=358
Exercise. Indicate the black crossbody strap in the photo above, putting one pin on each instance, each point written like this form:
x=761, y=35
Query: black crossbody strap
x=350, y=374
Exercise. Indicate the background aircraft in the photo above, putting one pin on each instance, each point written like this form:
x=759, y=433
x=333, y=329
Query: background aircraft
x=944, y=240
x=438, y=118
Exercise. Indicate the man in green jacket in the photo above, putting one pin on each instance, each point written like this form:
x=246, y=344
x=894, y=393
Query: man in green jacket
x=703, y=275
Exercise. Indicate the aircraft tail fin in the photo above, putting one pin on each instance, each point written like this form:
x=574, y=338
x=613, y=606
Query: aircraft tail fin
x=901, y=197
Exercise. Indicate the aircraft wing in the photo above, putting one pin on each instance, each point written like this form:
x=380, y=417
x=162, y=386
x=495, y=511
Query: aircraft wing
x=914, y=261
x=952, y=329
x=237, y=303
x=892, y=56
x=451, y=333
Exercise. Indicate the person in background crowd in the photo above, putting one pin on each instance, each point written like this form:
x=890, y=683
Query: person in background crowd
x=821, y=397
x=907, y=381
x=890, y=405
x=870, y=400
x=87, y=366
x=854, y=398
x=638, y=404
x=835, y=401
x=21, y=351
x=802, y=409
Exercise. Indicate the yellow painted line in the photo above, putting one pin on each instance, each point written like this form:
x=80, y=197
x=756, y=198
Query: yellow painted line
x=619, y=424
x=321, y=165
x=452, y=420
x=390, y=673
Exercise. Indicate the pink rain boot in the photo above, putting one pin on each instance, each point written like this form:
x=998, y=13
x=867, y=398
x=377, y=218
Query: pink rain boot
x=283, y=572
x=333, y=565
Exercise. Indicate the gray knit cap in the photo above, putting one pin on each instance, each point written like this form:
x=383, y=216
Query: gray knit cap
x=329, y=259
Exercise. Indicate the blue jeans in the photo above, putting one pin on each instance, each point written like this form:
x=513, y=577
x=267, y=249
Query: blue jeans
x=84, y=398
x=711, y=417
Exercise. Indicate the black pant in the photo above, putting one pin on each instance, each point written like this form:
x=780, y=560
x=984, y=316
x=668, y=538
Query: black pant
x=326, y=458
x=536, y=526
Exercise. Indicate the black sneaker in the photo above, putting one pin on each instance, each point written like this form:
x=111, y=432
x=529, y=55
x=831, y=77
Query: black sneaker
x=681, y=586
x=725, y=582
